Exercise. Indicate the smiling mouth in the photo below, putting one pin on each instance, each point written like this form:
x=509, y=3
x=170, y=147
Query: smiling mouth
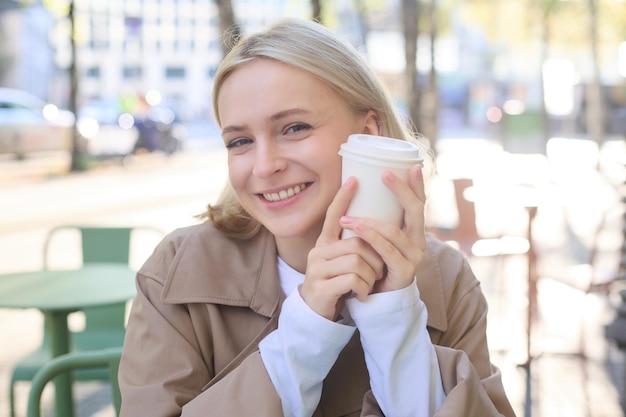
x=283, y=194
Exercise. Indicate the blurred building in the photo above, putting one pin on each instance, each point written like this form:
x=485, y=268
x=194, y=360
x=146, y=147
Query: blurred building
x=27, y=55
x=128, y=47
x=134, y=46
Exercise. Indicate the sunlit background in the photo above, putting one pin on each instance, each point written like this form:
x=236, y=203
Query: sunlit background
x=106, y=119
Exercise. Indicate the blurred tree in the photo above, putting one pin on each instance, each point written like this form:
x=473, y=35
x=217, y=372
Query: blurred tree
x=595, y=115
x=9, y=5
x=78, y=162
x=228, y=26
x=546, y=9
x=6, y=58
x=410, y=18
x=361, y=12
x=316, y=5
x=430, y=98
x=422, y=104
x=565, y=27
x=551, y=12
x=64, y=9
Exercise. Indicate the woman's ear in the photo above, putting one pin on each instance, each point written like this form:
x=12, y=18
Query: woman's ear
x=371, y=124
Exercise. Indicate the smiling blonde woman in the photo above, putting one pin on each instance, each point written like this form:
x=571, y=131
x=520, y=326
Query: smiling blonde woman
x=263, y=310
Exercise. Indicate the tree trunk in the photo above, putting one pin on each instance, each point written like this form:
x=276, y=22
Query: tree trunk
x=595, y=107
x=361, y=10
x=77, y=154
x=316, y=6
x=410, y=15
x=430, y=101
x=545, y=45
x=230, y=30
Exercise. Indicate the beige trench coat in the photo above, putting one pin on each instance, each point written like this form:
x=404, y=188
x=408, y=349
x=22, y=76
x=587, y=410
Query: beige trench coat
x=204, y=302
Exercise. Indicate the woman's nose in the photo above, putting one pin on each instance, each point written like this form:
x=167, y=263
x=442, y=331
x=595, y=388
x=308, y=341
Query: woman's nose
x=268, y=160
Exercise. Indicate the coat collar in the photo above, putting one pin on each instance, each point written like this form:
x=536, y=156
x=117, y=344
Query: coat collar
x=211, y=268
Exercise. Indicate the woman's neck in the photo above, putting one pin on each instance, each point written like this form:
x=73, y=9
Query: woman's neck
x=295, y=251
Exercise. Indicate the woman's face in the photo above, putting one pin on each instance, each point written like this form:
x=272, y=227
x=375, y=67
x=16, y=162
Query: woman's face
x=283, y=127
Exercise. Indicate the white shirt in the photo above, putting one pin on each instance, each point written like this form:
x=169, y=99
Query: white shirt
x=400, y=358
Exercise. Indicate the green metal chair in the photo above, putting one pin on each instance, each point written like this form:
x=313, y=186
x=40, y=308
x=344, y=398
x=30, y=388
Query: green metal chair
x=107, y=360
x=104, y=326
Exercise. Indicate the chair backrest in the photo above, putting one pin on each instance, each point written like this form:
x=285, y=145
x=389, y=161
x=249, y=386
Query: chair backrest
x=101, y=244
x=106, y=244
x=104, y=358
x=98, y=243
x=466, y=228
x=466, y=232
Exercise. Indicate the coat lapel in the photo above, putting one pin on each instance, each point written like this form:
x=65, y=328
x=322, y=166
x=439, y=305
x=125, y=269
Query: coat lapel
x=211, y=268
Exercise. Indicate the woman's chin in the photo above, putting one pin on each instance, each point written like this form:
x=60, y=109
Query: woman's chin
x=293, y=231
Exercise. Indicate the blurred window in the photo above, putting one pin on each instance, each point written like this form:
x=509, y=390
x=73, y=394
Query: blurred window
x=93, y=72
x=131, y=72
x=133, y=26
x=175, y=72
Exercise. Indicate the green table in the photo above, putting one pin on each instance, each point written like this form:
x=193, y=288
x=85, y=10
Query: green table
x=57, y=293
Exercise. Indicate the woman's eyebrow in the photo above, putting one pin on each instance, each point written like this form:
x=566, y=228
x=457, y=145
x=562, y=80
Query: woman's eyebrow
x=286, y=113
x=234, y=128
x=276, y=116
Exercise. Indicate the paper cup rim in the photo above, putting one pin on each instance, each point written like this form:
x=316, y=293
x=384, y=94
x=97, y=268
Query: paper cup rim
x=380, y=149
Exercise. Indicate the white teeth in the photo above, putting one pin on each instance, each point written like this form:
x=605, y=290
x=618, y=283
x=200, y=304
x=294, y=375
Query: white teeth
x=282, y=194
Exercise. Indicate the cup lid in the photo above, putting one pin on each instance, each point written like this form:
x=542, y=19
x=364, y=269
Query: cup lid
x=382, y=148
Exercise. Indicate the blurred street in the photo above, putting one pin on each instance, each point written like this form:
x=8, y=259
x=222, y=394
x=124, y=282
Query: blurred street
x=167, y=192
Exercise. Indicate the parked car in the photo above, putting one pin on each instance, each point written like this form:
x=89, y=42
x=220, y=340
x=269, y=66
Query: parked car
x=105, y=130
x=109, y=132
x=159, y=130
x=28, y=124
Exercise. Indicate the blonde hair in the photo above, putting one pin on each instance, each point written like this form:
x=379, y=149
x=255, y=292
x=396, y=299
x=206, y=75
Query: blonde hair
x=311, y=47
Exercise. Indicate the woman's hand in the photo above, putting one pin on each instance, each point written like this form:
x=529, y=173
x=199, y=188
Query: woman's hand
x=336, y=267
x=401, y=249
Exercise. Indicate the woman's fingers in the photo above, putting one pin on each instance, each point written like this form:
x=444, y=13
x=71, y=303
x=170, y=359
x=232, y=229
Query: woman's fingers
x=328, y=280
x=384, y=257
x=331, y=230
x=412, y=197
x=400, y=255
x=401, y=249
x=337, y=267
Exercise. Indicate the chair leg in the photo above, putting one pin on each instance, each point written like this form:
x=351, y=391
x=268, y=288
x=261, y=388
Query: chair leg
x=12, y=397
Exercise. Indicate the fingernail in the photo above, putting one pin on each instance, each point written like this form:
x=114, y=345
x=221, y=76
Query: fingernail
x=346, y=220
x=390, y=176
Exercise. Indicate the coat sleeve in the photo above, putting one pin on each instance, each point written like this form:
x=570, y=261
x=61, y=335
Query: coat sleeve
x=467, y=393
x=162, y=371
x=473, y=386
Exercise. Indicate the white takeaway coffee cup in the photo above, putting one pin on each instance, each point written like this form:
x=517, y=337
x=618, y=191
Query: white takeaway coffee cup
x=366, y=157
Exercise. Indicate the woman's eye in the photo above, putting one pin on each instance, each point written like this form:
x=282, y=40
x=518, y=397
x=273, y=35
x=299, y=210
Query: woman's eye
x=238, y=142
x=298, y=127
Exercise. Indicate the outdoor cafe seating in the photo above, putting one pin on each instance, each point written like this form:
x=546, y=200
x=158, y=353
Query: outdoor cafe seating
x=104, y=253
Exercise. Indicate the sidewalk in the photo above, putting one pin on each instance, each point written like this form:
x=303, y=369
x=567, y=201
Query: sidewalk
x=167, y=193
